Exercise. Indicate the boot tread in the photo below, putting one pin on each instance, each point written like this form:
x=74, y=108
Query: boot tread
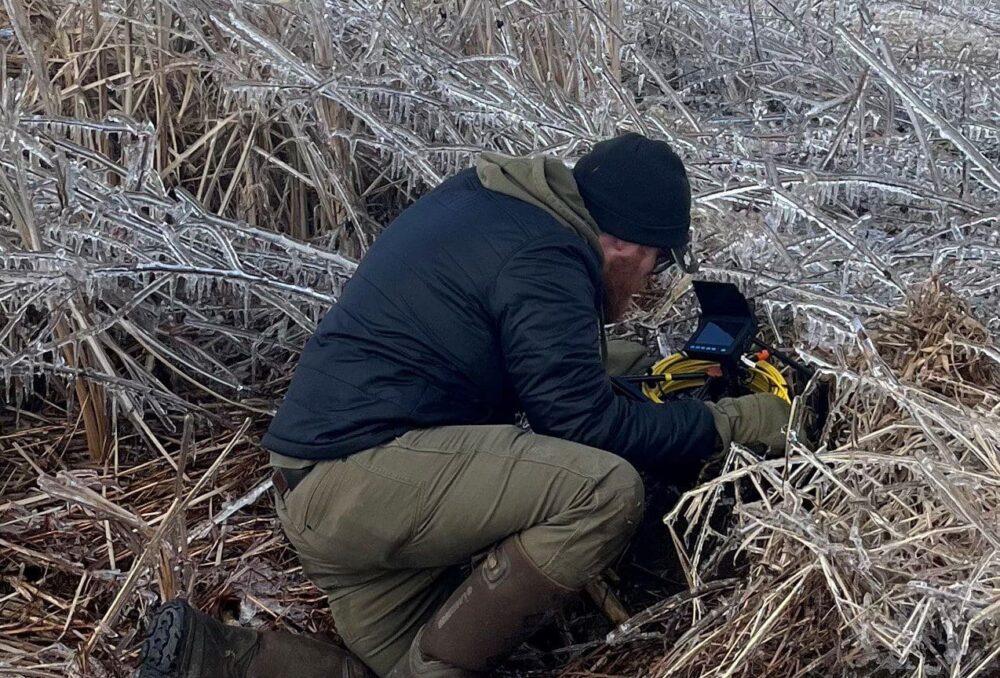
x=161, y=649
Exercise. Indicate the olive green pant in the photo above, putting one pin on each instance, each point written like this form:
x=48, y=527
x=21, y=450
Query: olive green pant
x=383, y=532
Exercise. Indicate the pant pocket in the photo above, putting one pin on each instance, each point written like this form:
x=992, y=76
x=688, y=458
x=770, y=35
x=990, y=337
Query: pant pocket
x=294, y=507
x=360, y=514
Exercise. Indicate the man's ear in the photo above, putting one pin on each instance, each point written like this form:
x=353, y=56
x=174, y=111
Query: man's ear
x=612, y=244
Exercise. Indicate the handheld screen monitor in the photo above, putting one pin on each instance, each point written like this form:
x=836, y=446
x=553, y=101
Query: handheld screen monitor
x=717, y=334
x=727, y=326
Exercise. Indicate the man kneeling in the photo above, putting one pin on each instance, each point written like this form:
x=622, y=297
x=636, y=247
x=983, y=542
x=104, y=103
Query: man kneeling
x=396, y=454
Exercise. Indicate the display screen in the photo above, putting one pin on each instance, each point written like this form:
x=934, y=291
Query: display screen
x=720, y=334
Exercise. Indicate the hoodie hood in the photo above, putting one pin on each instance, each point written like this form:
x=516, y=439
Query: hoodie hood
x=544, y=182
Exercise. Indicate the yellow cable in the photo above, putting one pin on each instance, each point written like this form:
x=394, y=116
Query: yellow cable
x=764, y=377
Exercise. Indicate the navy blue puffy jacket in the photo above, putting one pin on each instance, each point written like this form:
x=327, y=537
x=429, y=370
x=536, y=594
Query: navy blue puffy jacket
x=471, y=306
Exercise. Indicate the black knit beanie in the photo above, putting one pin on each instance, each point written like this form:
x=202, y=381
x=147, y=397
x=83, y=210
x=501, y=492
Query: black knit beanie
x=637, y=190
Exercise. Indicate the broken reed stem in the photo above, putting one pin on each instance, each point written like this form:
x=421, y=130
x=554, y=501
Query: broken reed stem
x=153, y=547
x=178, y=268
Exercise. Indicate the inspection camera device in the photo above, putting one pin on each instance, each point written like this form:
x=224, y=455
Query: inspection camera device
x=719, y=360
x=726, y=329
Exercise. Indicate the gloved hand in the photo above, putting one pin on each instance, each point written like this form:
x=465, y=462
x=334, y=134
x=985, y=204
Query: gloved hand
x=754, y=419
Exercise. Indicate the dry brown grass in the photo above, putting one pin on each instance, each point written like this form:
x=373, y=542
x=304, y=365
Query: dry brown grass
x=185, y=185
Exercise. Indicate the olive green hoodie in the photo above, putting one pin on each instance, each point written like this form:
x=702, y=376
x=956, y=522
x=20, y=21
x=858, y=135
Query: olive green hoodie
x=544, y=182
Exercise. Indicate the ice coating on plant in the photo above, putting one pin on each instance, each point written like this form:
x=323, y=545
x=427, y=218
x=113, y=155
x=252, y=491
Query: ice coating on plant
x=843, y=158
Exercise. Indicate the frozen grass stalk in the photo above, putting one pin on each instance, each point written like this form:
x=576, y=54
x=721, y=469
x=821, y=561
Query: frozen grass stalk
x=186, y=186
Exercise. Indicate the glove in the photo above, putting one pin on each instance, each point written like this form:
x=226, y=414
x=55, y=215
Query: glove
x=760, y=418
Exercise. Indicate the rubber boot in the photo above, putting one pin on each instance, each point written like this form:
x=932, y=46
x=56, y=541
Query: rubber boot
x=504, y=601
x=185, y=643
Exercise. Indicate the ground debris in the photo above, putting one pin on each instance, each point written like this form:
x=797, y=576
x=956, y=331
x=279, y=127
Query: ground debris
x=185, y=187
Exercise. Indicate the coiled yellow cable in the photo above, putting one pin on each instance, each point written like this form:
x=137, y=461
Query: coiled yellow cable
x=764, y=377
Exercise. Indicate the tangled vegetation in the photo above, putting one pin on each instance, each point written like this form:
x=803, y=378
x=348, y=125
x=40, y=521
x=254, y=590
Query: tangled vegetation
x=186, y=184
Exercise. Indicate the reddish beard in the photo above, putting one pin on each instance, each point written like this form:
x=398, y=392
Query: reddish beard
x=622, y=281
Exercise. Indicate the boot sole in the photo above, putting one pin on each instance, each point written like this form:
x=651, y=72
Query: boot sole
x=161, y=651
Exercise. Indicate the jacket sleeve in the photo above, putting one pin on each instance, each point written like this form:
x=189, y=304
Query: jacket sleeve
x=549, y=327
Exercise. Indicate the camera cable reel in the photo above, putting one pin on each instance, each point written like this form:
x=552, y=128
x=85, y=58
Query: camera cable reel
x=719, y=359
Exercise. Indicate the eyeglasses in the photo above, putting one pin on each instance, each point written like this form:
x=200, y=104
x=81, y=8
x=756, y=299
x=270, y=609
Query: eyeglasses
x=681, y=256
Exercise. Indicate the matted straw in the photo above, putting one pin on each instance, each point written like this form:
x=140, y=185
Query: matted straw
x=186, y=185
